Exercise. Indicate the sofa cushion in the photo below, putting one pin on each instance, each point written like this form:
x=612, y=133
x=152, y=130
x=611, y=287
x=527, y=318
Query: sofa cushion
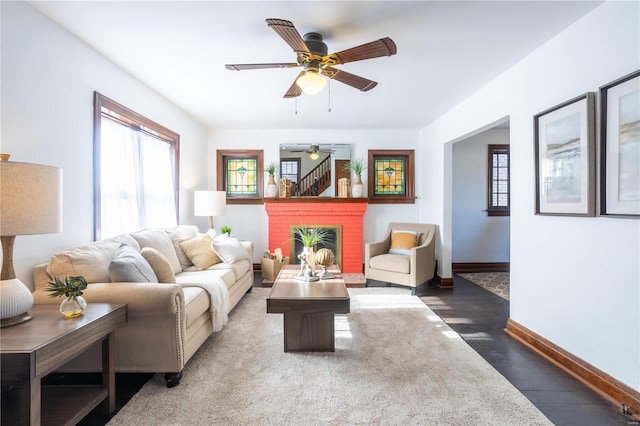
x=159, y=264
x=129, y=266
x=403, y=241
x=90, y=261
x=200, y=251
x=208, y=275
x=178, y=234
x=159, y=240
x=196, y=302
x=391, y=262
x=229, y=249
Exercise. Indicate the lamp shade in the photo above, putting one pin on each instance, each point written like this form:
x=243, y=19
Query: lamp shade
x=210, y=203
x=311, y=83
x=30, y=199
x=30, y=203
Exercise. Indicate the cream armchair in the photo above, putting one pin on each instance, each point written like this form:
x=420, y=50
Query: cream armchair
x=411, y=269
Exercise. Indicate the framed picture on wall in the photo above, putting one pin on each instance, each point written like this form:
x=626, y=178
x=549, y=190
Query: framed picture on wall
x=620, y=147
x=564, y=138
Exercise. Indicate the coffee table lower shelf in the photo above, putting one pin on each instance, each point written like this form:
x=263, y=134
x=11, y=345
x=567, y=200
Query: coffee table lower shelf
x=67, y=405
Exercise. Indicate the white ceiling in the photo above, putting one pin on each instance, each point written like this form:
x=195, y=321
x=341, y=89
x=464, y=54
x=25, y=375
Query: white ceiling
x=446, y=51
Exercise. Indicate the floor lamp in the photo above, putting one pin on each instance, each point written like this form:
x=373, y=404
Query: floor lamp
x=30, y=203
x=210, y=203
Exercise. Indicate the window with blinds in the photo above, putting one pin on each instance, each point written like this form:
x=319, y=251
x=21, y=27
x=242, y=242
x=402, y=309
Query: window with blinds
x=135, y=171
x=498, y=183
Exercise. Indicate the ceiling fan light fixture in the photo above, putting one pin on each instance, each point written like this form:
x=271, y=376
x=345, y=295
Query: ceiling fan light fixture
x=314, y=155
x=311, y=83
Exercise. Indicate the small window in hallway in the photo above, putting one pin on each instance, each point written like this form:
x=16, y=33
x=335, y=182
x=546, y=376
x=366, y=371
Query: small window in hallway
x=498, y=183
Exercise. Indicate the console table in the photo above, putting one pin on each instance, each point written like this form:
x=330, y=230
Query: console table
x=308, y=309
x=31, y=350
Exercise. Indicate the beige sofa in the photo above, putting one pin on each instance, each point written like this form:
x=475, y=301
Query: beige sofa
x=167, y=322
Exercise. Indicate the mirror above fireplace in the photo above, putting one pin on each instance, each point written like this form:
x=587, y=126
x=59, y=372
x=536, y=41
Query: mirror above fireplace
x=314, y=168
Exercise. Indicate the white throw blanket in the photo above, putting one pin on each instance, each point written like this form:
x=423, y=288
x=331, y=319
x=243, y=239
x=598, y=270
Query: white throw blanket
x=219, y=304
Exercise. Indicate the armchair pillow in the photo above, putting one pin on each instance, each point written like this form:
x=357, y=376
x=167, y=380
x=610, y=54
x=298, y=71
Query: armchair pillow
x=200, y=252
x=160, y=265
x=129, y=266
x=403, y=241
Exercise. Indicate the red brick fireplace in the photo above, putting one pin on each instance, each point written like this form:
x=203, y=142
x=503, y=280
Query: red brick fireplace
x=346, y=212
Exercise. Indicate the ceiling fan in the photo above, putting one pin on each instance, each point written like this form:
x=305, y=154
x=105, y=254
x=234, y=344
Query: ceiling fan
x=312, y=55
x=314, y=148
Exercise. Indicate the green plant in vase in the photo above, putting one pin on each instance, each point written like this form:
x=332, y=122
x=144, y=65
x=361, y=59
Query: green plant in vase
x=309, y=236
x=356, y=166
x=71, y=288
x=225, y=230
x=272, y=189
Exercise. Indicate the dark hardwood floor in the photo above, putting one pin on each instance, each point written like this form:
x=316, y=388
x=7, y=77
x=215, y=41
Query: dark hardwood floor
x=479, y=317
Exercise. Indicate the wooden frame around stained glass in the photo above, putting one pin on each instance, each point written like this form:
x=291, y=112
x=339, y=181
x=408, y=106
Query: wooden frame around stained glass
x=240, y=174
x=391, y=176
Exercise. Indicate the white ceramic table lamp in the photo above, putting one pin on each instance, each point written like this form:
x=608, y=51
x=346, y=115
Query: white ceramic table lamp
x=210, y=203
x=30, y=203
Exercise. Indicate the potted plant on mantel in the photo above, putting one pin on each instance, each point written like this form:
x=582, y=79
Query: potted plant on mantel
x=271, y=190
x=310, y=236
x=356, y=166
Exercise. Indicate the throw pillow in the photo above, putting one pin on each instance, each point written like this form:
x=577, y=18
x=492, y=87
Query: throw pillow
x=129, y=266
x=403, y=241
x=229, y=249
x=200, y=252
x=160, y=265
x=159, y=240
x=179, y=234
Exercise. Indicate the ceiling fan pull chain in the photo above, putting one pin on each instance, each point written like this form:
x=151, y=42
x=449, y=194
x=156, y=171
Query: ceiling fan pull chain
x=329, y=95
x=296, y=109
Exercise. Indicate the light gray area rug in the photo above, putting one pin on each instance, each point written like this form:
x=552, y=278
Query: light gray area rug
x=396, y=362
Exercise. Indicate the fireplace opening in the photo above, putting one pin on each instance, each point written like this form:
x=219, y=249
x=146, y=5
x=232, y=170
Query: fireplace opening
x=333, y=243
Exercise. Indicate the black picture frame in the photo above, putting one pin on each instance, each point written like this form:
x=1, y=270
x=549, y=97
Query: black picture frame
x=620, y=147
x=564, y=144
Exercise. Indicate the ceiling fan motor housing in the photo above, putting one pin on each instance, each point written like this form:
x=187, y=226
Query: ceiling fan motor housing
x=315, y=44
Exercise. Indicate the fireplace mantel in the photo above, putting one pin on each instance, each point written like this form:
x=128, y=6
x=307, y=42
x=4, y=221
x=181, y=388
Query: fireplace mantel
x=316, y=200
x=349, y=214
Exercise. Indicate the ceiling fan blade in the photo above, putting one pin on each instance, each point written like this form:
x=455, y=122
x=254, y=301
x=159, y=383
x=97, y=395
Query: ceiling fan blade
x=352, y=80
x=240, y=67
x=375, y=49
x=295, y=90
x=289, y=34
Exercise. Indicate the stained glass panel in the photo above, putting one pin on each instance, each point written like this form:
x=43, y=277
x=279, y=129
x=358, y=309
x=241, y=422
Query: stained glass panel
x=242, y=176
x=389, y=175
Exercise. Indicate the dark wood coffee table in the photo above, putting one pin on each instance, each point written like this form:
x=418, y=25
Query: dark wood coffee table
x=308, y=309
x=33, y=349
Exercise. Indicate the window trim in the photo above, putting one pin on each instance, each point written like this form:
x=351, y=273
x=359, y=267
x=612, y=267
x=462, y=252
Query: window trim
x=491, y=210
x=131, y=118
x=296, y=160
x=409, y=177
x=222, y=155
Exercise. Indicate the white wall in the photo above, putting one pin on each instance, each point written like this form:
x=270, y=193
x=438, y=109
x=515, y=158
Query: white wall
x=575, y=281
x=48, y=80
x=251, y=221
x=476, y=237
